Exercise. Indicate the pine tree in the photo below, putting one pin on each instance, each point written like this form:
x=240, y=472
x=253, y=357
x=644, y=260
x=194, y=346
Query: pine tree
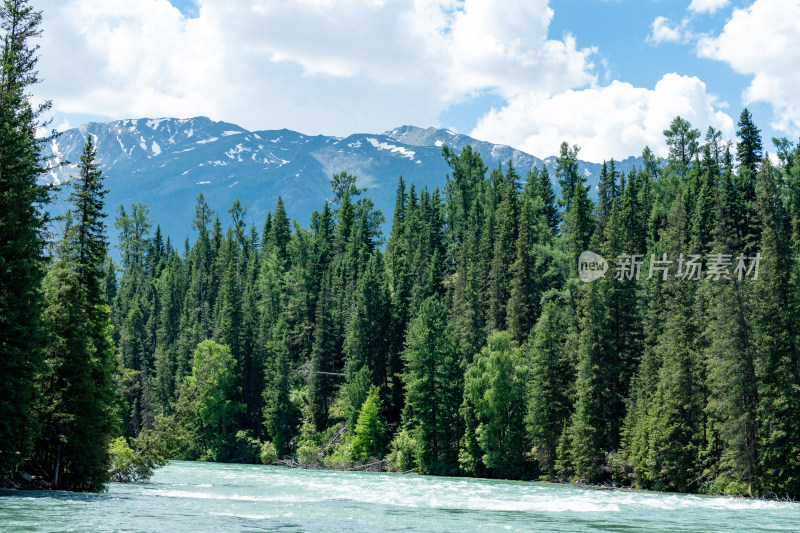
x=589, y=434
x=532, y=272
x=606, y=192
x=462, y=187
x=280, y=232
x=681, y=139
x=578, y=224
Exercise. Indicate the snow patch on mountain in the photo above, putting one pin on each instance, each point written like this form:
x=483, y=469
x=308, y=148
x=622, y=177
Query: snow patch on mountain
x=405, y=152
x=153, y=123
x=234, y=153
x=55, y=162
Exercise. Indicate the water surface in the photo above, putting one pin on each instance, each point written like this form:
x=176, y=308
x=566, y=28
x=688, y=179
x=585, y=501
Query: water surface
x=200, y=497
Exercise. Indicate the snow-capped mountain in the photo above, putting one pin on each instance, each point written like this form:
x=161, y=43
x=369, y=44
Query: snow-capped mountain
x=167, y=162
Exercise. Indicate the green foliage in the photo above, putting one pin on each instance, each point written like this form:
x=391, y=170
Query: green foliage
x=748, y=150
x=355, y=393
x=247, y=448
x=132, y=466
x=268, y=453
x=207, y=401
x=403, y=450
x=494, y=391
x=567, y=174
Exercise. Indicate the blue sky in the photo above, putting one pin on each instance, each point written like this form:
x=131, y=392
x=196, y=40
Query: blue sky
x=606, y=75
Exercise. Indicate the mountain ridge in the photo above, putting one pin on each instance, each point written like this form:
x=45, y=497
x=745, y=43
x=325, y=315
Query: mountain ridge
x=167, y=162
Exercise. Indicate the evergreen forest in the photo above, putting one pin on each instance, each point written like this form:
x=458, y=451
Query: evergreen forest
x=462, y=343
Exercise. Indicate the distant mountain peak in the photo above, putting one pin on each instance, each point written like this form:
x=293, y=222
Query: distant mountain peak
x=166, y=162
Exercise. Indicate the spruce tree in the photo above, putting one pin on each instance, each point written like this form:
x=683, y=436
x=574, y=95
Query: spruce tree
x=324, y=357
x=433, y=382
x=539, y=185
x=22, y=226
x=552, y=374
x=505, y=225
x=748, y=150
x=776, y=340
x=280, y=417
x=567, y=174
x=366, y=338
x=79, y=398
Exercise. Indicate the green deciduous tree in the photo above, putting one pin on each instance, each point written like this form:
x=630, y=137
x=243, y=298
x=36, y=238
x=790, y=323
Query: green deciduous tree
x=494, y=390
x=369, y=437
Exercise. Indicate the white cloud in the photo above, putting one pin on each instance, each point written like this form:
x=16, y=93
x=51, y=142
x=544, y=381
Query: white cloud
x=617, y=120
x=763, y=41
x=344, y=66
x=662, y=31
x=328, y=66
x=707, y=6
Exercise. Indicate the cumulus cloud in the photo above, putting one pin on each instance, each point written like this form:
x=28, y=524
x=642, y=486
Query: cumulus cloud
x=763, y=41
x=617, y=120
x=707, y=6
x=663, y=31
x=328, y=66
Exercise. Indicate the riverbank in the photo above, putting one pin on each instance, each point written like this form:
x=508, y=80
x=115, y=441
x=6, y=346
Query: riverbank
x=22, y=479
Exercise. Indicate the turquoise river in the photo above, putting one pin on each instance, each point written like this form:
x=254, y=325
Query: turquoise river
x=200, y=497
